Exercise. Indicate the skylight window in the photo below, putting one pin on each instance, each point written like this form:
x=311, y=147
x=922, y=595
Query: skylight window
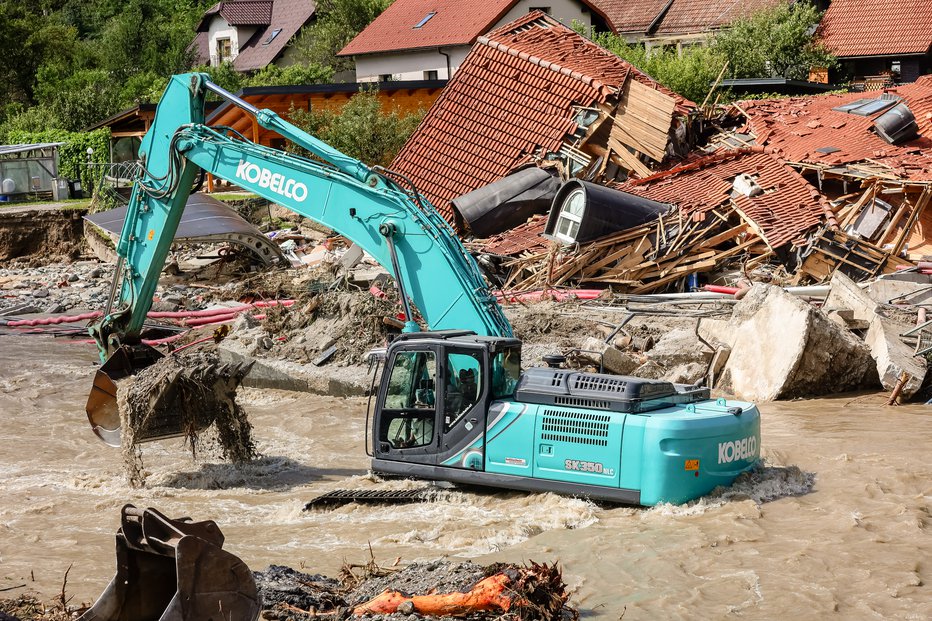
x=272, y=36
x=425, y=20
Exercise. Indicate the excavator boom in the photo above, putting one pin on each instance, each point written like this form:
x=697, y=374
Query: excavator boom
x=394, y=224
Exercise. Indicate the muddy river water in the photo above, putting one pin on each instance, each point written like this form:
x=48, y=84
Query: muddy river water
x=838, y=524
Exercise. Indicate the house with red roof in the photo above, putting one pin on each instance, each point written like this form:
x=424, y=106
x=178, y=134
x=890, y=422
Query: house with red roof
x=880, y=37
x=679, y=23
x=250, y=34
x=429, y=39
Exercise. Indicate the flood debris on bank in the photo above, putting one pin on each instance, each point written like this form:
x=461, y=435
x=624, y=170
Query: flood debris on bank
x=440, y=589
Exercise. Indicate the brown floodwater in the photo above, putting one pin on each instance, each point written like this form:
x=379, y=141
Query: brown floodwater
x=838, y=524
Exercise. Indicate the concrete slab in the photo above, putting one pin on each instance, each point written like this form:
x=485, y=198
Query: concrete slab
x=785, y=348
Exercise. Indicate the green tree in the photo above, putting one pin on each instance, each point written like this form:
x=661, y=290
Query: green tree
x=273, y=75
x=337, y=23
x=361, y=129
x=775, y=42
x=689, y=73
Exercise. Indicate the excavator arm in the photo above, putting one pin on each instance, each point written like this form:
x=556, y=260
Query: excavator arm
x=368, y=206
x=397, y=227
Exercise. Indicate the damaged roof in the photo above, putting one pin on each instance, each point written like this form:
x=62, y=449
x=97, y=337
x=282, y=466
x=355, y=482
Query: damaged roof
x=788, y=206
x=677, y=16
x=275, y=25
x=852, y=28
x=512, y=99
x=418, y=24
x=811, y=130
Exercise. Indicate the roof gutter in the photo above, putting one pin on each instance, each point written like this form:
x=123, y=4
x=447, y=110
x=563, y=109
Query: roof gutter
x=447, y=56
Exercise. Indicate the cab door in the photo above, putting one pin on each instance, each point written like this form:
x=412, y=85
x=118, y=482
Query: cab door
x=406, y=426
x=463, y=408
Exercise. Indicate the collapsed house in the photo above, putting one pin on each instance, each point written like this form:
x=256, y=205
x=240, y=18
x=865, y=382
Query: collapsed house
x=535, y=92
x=666, y=196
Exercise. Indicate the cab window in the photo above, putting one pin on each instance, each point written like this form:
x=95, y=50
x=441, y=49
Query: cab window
x=506, y=371
x=412, y=382
x=463, y=386
x=409, y=408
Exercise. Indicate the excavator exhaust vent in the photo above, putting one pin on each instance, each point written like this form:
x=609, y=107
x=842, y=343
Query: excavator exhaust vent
x=582, y=402
x=599, y=383
x=586, y=428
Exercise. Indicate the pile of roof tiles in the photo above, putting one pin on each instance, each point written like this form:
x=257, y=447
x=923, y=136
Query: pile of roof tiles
x=792, y=189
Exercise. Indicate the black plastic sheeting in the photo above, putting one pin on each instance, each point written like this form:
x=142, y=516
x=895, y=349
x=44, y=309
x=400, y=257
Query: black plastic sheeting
x=508, y=202
x=606, y=210
x=205, y=219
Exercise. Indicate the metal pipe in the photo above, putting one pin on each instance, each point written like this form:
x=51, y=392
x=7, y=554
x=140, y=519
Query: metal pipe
x=387, y=229
x=236, y=101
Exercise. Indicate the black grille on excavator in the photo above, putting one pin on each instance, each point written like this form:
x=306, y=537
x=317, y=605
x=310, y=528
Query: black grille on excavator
x=600, y=391
x=585, y=381
x=576, y=427
x=582, y=402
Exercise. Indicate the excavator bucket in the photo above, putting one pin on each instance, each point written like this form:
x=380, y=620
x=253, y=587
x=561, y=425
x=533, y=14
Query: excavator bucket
x=168, y=397
x=102, y=410
x=174, y=570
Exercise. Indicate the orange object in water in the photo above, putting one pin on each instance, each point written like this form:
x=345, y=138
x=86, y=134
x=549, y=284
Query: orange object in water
x=489, y=595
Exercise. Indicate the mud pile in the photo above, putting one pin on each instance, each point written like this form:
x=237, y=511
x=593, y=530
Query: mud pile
x=183, y=394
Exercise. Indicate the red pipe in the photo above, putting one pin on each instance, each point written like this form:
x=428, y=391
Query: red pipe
x=720, y=289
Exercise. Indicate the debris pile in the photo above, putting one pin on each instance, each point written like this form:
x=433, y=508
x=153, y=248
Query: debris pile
x=787, y=191
x=439, y=589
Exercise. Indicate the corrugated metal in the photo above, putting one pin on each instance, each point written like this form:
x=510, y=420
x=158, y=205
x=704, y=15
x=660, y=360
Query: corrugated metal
x=9, y=149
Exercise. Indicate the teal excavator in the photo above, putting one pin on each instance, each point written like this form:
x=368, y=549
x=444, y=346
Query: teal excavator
x=454, y=403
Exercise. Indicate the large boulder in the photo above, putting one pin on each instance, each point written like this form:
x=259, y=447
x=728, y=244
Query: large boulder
x=783, y=348
x=893, y=358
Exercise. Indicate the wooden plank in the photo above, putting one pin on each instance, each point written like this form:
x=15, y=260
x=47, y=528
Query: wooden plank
x=724, y=236
x=627, y=160
x=913, y=217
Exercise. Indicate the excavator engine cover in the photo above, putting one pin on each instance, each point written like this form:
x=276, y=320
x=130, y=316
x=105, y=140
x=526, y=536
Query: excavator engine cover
x=174, y=570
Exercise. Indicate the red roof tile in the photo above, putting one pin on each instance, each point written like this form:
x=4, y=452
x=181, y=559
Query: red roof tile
x=524, y=237
x=631, y=16
x=798, y=127
x=247, y=12
x=877, y=27
x=455, y=22
x=690, y=16
x=511, y=98
x=788, y=207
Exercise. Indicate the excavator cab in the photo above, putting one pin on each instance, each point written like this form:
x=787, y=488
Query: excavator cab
x=435, y=396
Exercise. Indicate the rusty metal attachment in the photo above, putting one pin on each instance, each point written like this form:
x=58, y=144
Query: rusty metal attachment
x=174, y=570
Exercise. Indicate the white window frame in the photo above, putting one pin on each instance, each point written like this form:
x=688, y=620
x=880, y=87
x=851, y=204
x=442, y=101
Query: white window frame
x=565, y=216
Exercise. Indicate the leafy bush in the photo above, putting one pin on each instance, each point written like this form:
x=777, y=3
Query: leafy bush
x=361, y=129
x=775, y=42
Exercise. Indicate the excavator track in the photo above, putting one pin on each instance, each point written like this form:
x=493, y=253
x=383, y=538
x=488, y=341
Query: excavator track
x=341, y=497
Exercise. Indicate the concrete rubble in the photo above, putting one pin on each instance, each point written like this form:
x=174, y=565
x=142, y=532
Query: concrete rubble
x=782, y=347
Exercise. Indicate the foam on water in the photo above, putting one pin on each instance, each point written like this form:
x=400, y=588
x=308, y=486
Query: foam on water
x=760, y=485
